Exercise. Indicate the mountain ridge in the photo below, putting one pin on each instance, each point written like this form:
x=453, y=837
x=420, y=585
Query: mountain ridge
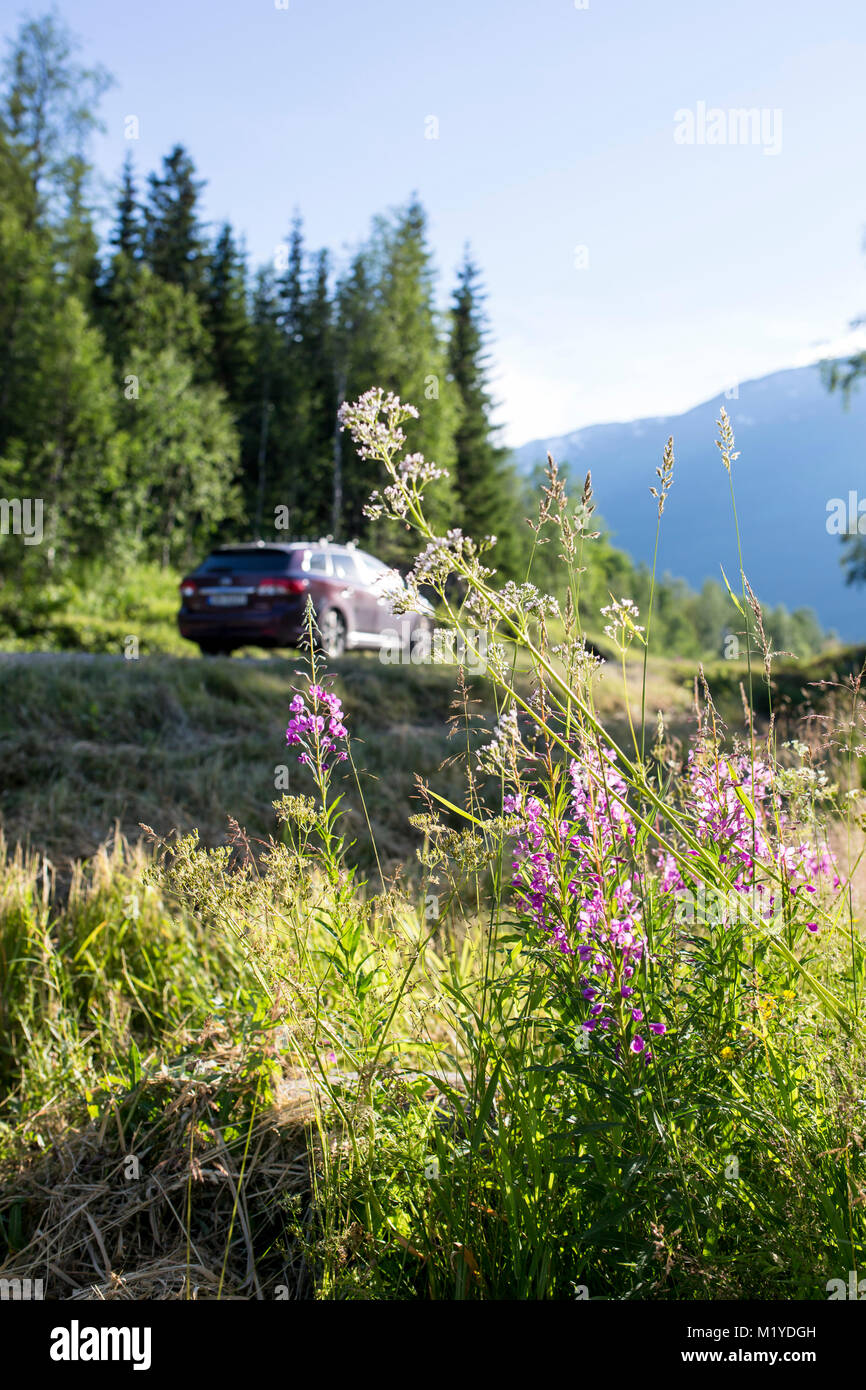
x=800, y=447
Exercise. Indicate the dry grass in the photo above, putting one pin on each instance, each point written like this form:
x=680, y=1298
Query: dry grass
x=199, y=1221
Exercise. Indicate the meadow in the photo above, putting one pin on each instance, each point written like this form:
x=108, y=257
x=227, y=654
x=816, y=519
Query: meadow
x=377, y=983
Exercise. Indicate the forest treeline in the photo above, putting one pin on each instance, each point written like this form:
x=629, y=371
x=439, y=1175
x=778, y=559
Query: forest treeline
x=159, y=394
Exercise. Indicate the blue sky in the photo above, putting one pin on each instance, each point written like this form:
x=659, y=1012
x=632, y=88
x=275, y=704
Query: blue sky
x=707, y=264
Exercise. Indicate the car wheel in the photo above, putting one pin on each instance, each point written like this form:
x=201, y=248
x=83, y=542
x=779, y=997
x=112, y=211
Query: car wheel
x=214, y=649
x=332, y=633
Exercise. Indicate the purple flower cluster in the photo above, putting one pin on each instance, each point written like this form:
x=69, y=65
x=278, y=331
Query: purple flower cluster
x=307, y=727
x=572, y=882
x=733, y=806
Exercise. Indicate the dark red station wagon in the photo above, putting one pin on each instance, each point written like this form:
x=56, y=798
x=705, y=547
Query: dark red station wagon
x=256, y=595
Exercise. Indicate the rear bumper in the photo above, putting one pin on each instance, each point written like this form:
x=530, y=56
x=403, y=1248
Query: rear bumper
x=267, y=628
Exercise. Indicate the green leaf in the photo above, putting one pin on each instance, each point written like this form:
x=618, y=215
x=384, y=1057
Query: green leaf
x=486, y=1106
x=457, y=810
x=134, y=1063
x=734, y=600
x=87, y=940
x=747, y=802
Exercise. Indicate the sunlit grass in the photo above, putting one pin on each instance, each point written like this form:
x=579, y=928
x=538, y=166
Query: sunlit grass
x=356, y=1053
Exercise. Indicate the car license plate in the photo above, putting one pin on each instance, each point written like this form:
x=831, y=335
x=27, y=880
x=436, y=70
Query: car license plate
x=228, y=600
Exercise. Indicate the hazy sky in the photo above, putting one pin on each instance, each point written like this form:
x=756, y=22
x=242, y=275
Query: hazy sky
x=707, y=263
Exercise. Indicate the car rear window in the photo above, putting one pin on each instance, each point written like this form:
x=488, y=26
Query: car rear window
x=246, y=561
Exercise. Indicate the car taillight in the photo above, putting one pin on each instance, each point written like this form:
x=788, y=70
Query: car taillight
x=281, y=586
x=188, y=587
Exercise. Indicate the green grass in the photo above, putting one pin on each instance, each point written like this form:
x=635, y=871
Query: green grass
x=92, y=743
x=447, y=1145
x=342, y=1085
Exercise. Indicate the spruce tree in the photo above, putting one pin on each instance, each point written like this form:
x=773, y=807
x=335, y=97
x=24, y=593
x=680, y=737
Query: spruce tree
x=117, y=302
x=302, y=421
x=320, y=402
x=286, y=446
x=126, y=234
x=409, y=357
x=355, y=367
x=409, y=345
x=228, y=320
x=484, y=482
x=259, y=444
x=174, y=242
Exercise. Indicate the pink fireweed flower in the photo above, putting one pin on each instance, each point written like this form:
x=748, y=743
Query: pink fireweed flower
x=735, y=809
x=306, y=728
x=569, y=884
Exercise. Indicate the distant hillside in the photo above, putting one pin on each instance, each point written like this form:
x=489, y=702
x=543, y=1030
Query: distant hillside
x=799, y=447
